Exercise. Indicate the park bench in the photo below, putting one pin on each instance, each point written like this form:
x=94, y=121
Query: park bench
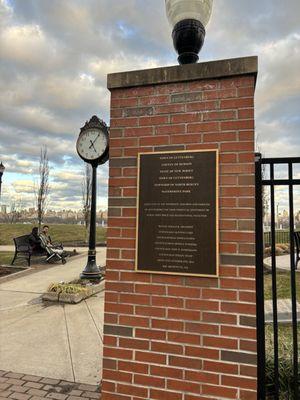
x=297, y=243
x=23, y=249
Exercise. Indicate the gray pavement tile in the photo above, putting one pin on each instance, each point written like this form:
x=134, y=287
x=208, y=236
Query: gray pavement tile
x=51, y=388
x=14, y=375
x=33, y=385
x=50, y=381
x=37, y=392
x=31, y=378
x=5, y=393
x=90, y=388
x=57, y=396
x=91, y=395
x=4, y=386
x=19, y=396
x=13, y=381
x=66, y=384
x=75, y=392
x=19, y=389
x=83, y=342
x=37, y=398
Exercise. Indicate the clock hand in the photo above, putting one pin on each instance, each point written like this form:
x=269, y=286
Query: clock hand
x=95, y=139
x=92, y=145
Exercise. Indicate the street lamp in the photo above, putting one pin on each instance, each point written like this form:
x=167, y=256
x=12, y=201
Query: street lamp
x=2, y=169
x=188, y=19
x=93, y=147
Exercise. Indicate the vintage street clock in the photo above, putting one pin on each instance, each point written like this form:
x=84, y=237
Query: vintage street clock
x=93, y=147
x=92, y=143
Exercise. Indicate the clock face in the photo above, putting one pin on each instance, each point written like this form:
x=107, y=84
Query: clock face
x=91, y=144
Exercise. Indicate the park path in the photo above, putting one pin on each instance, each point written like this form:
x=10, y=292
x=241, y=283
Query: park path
x=67, y=248
x=60, y=341
x=283, y=263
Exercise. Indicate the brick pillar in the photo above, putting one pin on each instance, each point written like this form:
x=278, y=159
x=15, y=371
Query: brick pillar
x=176, y=337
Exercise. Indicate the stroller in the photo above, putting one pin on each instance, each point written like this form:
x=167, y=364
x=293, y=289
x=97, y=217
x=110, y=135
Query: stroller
x=54, y=252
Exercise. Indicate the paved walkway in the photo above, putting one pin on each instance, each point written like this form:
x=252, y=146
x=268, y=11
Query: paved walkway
x=284, y=313
x=282, y=262
x=68, y=248
x=51, y=340
x=25, y=387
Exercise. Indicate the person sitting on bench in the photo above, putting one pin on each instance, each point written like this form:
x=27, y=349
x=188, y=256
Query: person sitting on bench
x=52, y=250
x=35, y=241
x=46, y=237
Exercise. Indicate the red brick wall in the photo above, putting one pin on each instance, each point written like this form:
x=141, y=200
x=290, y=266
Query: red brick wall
x=176, y=337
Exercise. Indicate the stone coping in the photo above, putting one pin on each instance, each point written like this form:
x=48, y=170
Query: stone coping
x=182, y=73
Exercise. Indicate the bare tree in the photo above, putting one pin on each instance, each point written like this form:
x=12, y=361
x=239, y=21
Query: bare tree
x=265, y=194
x=15, y=211
x=43, y=185
x=86, y=197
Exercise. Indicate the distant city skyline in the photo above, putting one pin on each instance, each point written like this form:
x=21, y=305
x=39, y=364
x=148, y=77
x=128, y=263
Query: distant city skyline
x=30, y=215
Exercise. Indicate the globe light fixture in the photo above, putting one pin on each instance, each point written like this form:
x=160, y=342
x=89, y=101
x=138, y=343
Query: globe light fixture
x=188, y=19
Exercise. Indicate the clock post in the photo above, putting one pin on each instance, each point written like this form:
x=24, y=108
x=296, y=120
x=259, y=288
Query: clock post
x=92, y=270
x=92, y=147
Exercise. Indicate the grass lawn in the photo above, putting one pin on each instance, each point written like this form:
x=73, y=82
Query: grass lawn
x=63, y=233
x=285, y=353
x=283, y=285
x=285, y=339
x=6, y=257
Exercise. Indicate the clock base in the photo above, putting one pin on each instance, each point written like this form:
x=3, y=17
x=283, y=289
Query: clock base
x=91, y=271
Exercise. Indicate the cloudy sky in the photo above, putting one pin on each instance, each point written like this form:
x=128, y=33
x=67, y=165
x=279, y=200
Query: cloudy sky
x=56, y=54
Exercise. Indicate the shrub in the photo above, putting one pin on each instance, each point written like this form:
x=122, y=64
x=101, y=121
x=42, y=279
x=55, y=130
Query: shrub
x=68, y=288
x=279, y=251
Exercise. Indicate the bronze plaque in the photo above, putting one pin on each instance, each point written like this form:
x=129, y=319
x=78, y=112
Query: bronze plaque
x=177, y=214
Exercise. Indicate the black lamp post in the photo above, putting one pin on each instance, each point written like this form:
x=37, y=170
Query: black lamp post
x=188, y=19
x=93, y=148
x=2, y=169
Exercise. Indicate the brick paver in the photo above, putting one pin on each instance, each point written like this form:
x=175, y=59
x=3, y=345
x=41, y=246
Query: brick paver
x=28, y=387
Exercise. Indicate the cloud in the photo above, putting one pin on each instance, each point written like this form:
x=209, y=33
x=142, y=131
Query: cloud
x=55, y=56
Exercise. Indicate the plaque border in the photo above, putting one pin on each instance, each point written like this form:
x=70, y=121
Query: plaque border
x=217, y=214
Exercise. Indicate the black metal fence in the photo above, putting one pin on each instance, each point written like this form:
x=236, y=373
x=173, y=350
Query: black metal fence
x=280, y=237
x=274, y=379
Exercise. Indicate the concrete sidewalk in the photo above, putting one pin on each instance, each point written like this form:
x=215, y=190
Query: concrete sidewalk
x=283, y=263
x=60, y=341
x=67, y=248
